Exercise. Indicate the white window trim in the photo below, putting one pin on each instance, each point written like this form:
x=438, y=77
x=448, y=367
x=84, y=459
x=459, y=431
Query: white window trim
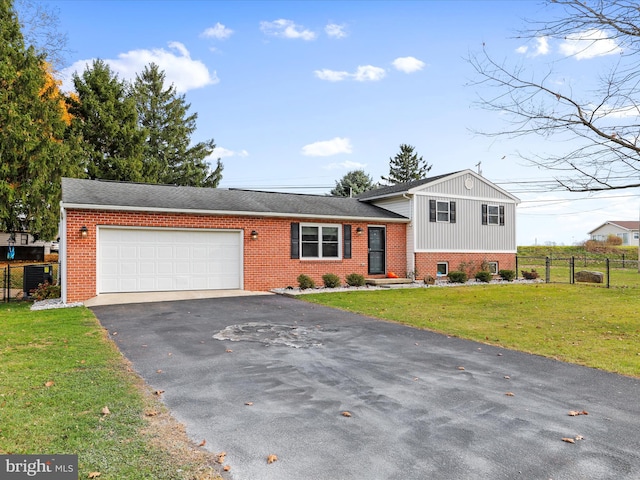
x=496, y=267
x=446, y=264
x=448, y=220
x=320, y=257
x=496, y=215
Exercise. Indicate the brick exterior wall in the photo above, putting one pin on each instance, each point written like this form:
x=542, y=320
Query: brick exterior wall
x=267, y=262
x=426, y=263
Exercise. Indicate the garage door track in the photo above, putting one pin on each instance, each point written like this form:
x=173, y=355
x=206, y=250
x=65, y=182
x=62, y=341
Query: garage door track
x=265, y=375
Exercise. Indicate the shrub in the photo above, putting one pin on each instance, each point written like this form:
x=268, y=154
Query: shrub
x=305, y=281
x=46, y=290
x=355, y=280
x=484, y=276
x=532, y=275
x=458, y=276
x=331, y=280
x=507, y=275
x=614, y=239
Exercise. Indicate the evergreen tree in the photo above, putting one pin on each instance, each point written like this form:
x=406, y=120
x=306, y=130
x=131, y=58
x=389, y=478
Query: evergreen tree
x=163, y=115
x=352, y=184
x=33, y=154
x=104, y=117
x=406, y=166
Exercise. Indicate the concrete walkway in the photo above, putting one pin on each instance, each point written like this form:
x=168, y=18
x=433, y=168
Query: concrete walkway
x=154, y=297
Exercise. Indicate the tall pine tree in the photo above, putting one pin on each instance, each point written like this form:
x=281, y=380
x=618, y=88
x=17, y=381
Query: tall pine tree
x=406, y=166
x=104, y=117
x=33, y=154
x=169, y=156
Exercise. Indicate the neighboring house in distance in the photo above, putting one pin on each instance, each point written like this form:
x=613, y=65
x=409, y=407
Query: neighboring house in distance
x=457, y=219
x=126, y=237
x=627, y=230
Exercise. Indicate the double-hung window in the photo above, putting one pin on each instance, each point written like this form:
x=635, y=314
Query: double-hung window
x=320, y=241
x=441, y=211
x=492, y=214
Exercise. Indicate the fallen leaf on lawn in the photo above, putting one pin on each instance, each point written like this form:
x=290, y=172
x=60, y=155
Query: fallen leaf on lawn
x=226, y=468
x=248, y=403
x=220, y=457
x=158, y=392
x=50, y=383
x=202, y=443
x=346, y=414
x=460, y=368
x=510, y=394
x=272, y=458
x=94, y=475
x=575, y=413
x=151, y=413
x=568, y=440
x=105, y=410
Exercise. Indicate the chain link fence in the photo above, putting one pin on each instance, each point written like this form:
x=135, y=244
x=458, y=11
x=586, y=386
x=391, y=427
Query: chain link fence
x=618, y=271
x=20, y=281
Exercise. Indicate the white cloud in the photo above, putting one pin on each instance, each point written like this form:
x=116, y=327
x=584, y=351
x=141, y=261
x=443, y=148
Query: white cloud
x=369, y=73
x=348, y=165
x=221, y=152
x=286, y=29
x=366, y=73
x=334, y=30
x=408, y=64
x=218, y=31
x=589, y=44
x=328, y=147
x=541, y=48
x=180, y=69
x=331, y=75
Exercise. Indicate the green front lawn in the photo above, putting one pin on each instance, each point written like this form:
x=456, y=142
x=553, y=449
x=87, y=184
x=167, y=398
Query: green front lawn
x=58, y=370
x=582, y=324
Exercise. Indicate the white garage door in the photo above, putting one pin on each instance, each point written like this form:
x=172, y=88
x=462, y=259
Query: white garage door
x=158, y=260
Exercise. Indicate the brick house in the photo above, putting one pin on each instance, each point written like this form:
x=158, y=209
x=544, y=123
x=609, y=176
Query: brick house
x=125, y=237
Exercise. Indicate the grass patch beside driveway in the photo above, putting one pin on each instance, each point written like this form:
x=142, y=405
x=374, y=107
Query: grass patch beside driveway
x=58, y=370
x=581, y=324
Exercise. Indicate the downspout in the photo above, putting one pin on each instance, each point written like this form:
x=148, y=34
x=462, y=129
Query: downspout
x=62, y=253
x=411, y=256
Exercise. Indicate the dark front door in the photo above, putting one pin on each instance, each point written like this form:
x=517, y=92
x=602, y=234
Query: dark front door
x=377, y=250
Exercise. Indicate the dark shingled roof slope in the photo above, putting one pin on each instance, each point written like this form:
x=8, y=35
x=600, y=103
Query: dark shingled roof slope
x=83, y=193
x=399, y=187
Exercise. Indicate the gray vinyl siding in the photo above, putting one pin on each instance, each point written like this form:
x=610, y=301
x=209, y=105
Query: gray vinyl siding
x=456, y=186
x=467, y=234
x=399, y=205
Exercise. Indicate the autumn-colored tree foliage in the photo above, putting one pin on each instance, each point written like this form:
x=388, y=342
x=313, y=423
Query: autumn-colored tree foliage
x=33, y=153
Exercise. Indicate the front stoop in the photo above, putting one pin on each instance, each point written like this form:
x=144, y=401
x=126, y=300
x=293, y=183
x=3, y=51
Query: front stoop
x=387, y=281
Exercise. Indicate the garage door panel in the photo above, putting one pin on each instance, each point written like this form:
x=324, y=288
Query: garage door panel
x=138, y=260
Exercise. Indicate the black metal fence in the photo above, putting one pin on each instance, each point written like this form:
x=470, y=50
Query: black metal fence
x=616, y=271
x=20, y=281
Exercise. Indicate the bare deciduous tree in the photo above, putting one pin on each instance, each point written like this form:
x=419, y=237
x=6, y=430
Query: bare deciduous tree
x=600, y=122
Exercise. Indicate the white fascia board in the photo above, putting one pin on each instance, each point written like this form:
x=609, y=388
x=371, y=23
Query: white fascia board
x=446, y=250
x=464, y=197
x=120, y=208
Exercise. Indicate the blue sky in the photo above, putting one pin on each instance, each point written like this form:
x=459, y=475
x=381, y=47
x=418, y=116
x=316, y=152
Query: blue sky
x=296, y=94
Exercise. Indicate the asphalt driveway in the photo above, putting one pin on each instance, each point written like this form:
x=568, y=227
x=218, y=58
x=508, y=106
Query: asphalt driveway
x=422, y=405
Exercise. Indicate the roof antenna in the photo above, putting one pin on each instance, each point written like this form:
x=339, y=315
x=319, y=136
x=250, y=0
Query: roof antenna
x=479, y=165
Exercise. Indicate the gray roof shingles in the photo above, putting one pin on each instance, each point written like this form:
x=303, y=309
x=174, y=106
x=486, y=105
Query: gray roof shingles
x=109, y=194
x=400, y=187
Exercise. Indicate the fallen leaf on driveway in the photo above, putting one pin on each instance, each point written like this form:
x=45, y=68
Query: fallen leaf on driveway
x=510, y=394
x=158, y=392
x=460, y=368
x=228, y=350
x=220, y=457
x=248, y=403
x=579, y=437
x=158, y=371
x=568, y=440
x=151, y=413
x=226, y=468
x=272, y=458
x=575, y=413
x=346, y=414
x=507, y=377
x=202, y=443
